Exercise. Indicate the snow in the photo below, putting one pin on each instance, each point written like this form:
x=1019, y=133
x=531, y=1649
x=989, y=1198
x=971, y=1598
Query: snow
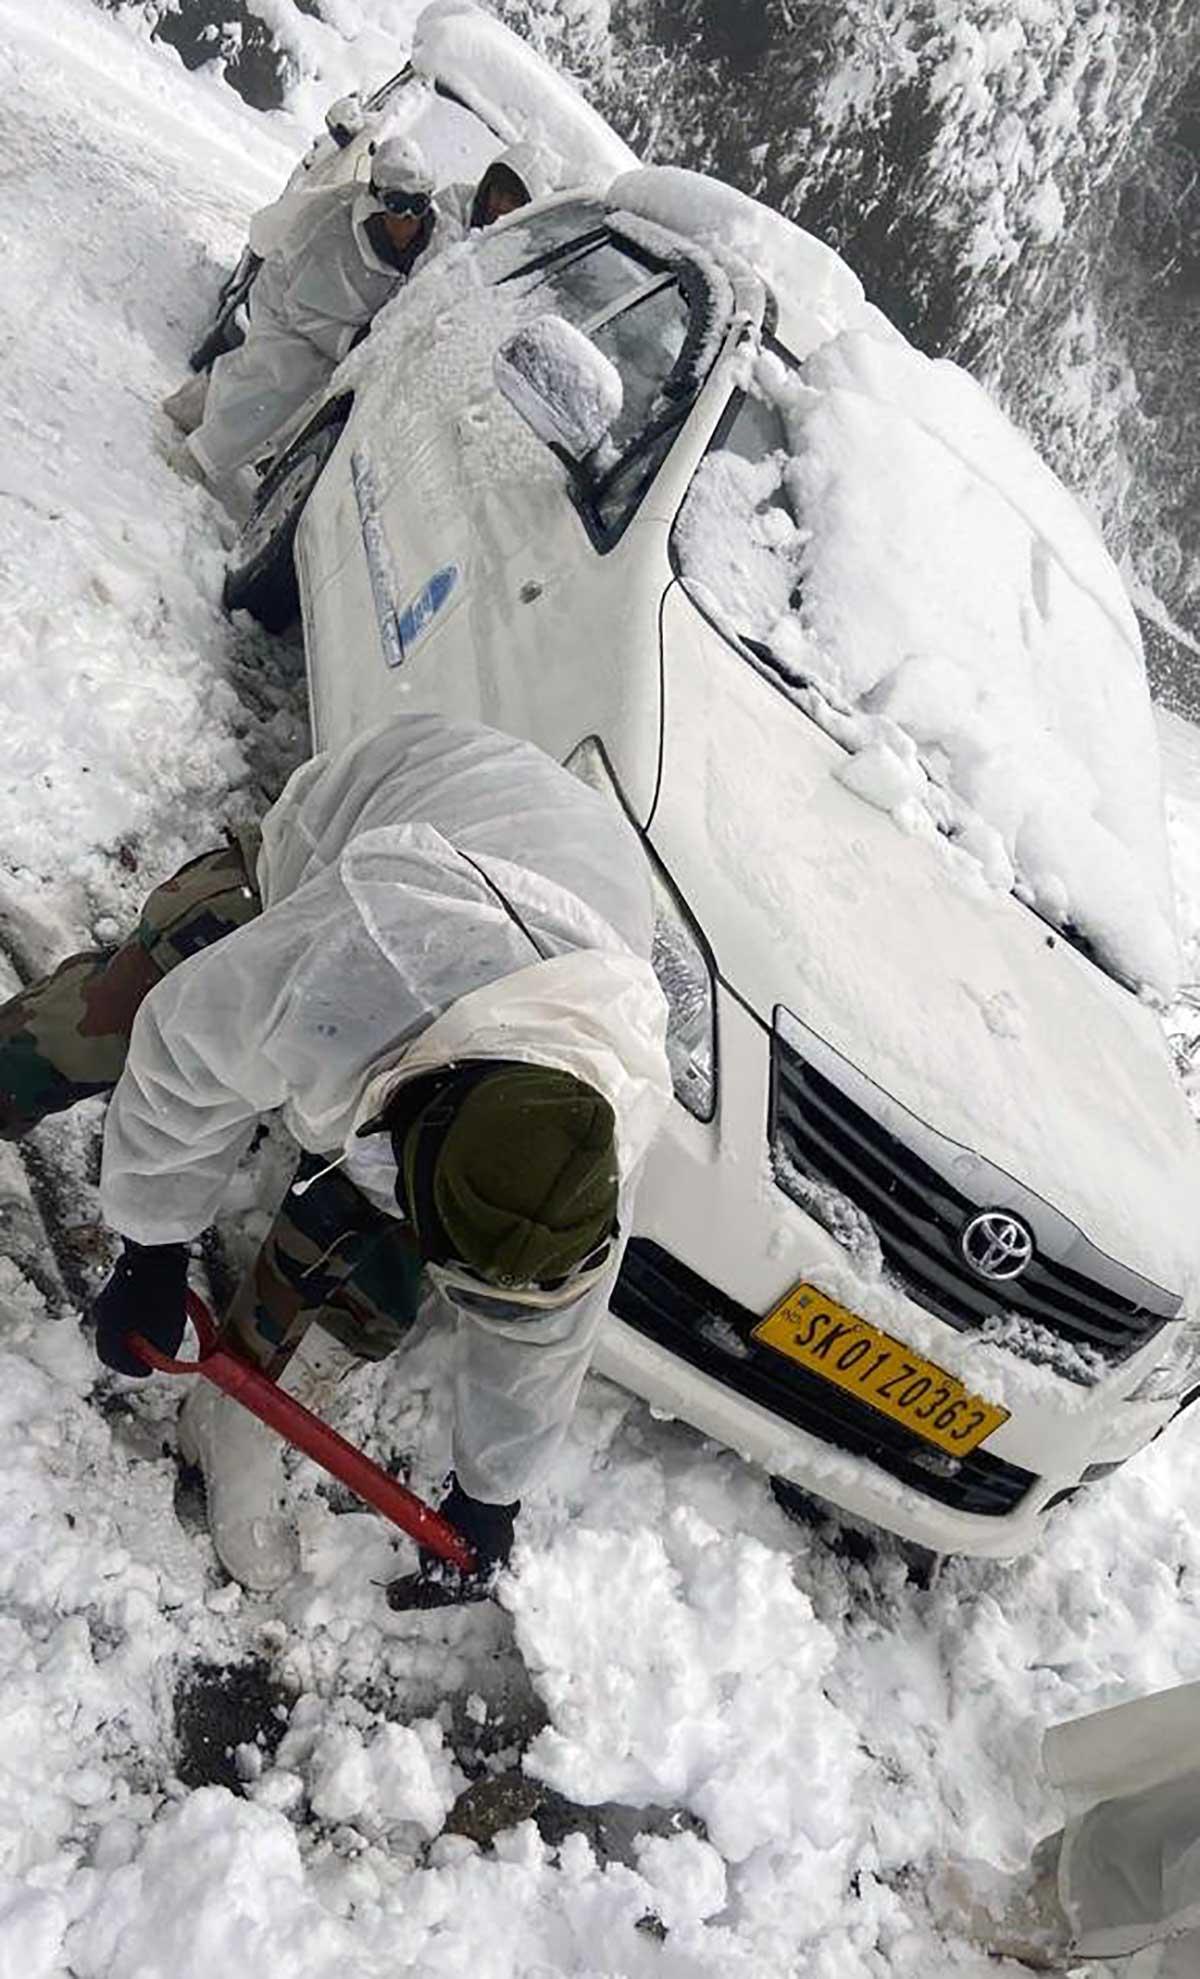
x=914, y=566
x=825, y=295
x=698, y=1685
x=838, y=1727
x=346, y=46
x=400, y=1775
x=506, y=83
x=115, y=647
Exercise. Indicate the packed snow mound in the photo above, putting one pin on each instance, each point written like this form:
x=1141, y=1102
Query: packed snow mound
x=925, y=587
x=735, y=228
x=399, y=1776
x=510, y=86
x=697, y=1683
x=218, y=1886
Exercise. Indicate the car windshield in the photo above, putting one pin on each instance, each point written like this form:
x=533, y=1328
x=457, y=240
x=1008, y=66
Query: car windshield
x=876, y=541
x=523, y=244
x=739, y=539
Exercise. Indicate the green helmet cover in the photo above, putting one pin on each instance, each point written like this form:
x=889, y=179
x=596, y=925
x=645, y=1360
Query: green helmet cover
x=523, y=1178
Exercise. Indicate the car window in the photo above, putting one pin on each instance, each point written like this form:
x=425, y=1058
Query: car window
x=589, y=285
x=642, y=317
x=645, y=343
x=619, y=493
x=738, y=543
x=517, y=248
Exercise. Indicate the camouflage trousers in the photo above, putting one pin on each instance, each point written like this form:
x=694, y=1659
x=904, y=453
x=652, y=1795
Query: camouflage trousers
x=330, y=1256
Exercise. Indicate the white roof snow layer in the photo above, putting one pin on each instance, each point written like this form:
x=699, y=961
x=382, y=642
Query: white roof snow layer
x=729, y=224
x=509, y=85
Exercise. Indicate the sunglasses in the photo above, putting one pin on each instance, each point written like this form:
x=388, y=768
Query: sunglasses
x=413, y=205
x=512, y=1301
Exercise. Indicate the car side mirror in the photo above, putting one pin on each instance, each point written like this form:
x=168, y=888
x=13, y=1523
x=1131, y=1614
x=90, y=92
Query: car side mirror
x=344, y=120
x=561, y=384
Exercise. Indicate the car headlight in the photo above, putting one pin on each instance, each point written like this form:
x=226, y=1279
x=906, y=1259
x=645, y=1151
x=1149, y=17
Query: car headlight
x=1176, y=1372
x=680, y=961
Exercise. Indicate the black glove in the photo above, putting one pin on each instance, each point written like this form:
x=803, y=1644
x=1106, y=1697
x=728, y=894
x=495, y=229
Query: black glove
x=146, y=1294
x=438, y=1584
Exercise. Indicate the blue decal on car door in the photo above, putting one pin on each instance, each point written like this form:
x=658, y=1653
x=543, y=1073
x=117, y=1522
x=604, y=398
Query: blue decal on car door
x=418, y=614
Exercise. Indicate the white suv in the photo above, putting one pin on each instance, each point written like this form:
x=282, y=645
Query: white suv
x=919, y=1233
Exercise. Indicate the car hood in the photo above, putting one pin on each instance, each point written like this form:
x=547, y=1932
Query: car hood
x=949, y=995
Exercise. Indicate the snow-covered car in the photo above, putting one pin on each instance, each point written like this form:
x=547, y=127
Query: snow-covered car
x=470, y=88
x=646, y=480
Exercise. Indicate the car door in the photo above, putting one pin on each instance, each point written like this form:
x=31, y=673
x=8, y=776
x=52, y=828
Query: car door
x=567, y=573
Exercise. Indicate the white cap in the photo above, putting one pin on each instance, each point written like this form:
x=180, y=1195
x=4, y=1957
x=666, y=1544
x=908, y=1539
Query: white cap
x=397, y=166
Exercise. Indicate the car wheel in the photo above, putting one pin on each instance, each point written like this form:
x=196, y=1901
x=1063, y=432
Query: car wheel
x=260, y=577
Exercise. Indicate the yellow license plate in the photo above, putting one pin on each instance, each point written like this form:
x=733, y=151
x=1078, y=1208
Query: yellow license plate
x=819, y=1334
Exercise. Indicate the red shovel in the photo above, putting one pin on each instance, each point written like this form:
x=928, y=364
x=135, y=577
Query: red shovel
x=237, y=1376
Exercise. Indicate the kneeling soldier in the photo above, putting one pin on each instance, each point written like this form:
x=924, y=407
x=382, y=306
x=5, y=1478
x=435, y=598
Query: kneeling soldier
x=433, y=962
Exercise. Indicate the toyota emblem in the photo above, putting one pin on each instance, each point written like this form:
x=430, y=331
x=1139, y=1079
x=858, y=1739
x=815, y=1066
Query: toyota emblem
x=997, y=1245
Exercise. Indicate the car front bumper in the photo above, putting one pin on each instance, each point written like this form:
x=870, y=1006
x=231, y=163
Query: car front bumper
x=716, y=1246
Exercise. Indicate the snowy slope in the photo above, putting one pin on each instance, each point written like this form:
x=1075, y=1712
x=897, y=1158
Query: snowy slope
x=823, y=1726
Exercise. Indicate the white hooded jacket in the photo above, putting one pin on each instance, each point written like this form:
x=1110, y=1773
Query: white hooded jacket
x=320, y=283
x=1129, y=1872
x=436, y=891
x=540, y=171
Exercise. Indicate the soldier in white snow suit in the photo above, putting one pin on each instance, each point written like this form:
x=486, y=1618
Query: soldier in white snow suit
x=332, y=259
x=434, y=965
x=522, y=173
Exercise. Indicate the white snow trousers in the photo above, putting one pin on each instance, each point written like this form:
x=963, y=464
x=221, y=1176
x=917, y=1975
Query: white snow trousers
x=253, y=392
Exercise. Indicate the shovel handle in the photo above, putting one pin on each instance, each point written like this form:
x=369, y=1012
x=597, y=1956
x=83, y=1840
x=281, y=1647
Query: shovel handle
x=205, y=1328
x=235, y=1375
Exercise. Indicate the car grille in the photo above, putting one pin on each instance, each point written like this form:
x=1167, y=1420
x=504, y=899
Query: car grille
x=664, y=1300
x=918, y=1217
